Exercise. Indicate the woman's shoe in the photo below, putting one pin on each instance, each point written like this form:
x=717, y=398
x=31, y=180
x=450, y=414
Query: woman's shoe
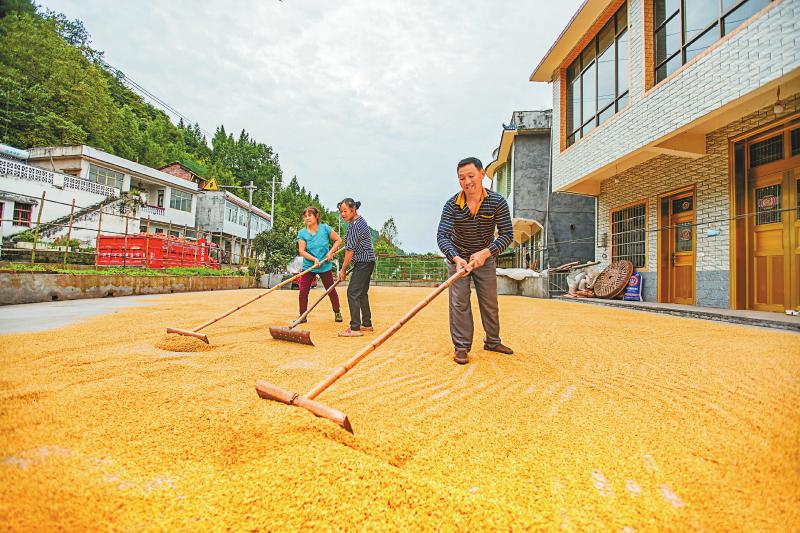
x=337, y=316
x=350, y=333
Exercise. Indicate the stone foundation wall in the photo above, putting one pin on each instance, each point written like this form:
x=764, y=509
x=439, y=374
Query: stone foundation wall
x=31, y=287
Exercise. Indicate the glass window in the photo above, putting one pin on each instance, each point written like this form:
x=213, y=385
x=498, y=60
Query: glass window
x=797, y=197
x=160, y=198
x=701, y=43
x=664, y=10
x=622, y=102
x=768, y=204
x=231, y=212
x=574, y=106
x=667, y=40
x=681, y=205
x=795, y=141
x=606, y=78
x=766, y=151
x=589, y=94
x=629, y=235
x=180, y=200
x=697, y=16
x=682, y=29
x=22, y=214
x=743, y=12
x=622, y=65
x=105, y=176
x=668, y=68
x=606, y=113
x=683, y=237
x=598, y=78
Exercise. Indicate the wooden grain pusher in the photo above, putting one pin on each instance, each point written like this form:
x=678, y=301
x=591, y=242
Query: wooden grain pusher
x=301, y=336
x=196, y=331
x=269, y=391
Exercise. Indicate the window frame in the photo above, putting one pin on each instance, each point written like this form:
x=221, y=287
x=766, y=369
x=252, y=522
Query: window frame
x=684, y=45
x=107, y=174
x=619, y=100
x=23, y=223
x=614, y=256
x=182, y=196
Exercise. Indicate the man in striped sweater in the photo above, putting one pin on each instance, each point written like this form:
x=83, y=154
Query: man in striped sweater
x=466, y=236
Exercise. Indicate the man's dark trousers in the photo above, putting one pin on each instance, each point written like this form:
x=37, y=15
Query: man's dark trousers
x=461, y=325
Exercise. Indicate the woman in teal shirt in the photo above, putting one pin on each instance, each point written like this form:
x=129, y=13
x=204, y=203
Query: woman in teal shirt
x=313, y=244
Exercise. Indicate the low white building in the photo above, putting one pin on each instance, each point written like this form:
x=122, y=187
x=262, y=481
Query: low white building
x=23, y=186
x=170, y=201
x=224, y=216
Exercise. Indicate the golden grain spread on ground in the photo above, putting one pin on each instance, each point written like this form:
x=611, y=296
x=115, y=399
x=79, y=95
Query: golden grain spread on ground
x=604, y=419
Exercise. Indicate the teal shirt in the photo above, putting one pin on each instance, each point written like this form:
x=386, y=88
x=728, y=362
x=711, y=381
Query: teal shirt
x=317, y=245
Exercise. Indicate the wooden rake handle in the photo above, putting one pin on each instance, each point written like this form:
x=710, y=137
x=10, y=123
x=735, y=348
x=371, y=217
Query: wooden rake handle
x=253, y=299
x=341, y=371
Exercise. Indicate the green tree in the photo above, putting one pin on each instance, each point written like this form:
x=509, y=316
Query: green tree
x=17, y=6
x=277, y=247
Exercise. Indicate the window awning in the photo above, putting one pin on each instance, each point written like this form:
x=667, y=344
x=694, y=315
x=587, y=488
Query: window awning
x=18, y=198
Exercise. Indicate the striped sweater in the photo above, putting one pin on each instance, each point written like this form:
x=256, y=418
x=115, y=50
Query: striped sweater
x=461, y=234
x=358, y=239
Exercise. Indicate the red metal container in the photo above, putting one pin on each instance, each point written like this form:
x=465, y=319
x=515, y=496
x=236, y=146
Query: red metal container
x=154, y=250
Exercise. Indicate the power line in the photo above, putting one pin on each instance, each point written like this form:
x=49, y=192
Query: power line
x=137, y=87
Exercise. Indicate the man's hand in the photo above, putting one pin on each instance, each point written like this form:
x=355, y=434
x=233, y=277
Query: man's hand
x=316, y=263
x=329, y=256
x=342, y=275
x=479, y=258
x=461, y=264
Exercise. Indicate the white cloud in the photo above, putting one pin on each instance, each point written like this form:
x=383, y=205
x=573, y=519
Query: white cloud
x=364, y=98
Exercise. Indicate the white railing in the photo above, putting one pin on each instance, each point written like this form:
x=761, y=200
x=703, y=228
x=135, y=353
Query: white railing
x=152, y=209
x=71, y=182
x=26, y=172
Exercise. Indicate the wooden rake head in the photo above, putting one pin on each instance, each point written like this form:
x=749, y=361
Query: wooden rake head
x=268, y=391
x=188, y=333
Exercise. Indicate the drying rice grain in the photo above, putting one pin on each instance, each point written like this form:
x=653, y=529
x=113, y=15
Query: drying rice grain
x=677, y=424
x=173, y=342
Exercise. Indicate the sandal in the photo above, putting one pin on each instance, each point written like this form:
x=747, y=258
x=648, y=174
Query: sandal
x=350, y=333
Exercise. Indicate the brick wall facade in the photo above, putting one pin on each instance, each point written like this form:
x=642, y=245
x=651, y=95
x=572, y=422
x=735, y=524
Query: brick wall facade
x=179, y=171
x=753, y=56
x=709, y=176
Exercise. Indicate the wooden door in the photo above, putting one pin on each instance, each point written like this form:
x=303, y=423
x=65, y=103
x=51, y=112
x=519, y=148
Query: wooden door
x=794, y=240
x=769, y=278
x=682, y=249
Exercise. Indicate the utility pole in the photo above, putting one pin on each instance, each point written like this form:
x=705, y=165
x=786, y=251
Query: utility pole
x=272, y=205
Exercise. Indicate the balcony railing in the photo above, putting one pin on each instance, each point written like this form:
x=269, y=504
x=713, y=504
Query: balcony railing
x=26, y=172
x=152, y=210
x=71, y=182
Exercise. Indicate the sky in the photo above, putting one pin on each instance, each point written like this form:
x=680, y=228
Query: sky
x=371, y=99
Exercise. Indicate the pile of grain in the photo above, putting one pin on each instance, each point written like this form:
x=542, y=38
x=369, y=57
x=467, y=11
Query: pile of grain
x=672, y=424
x=173, y=342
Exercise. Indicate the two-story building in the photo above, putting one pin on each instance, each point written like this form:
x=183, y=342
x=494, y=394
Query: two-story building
x=170, y=201
x=550, y=228
x=24, y=186
x=223, y=216
x=682, y=118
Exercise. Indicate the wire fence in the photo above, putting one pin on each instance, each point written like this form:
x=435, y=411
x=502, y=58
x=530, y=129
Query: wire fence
x=410, y=268
x=110, y=234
